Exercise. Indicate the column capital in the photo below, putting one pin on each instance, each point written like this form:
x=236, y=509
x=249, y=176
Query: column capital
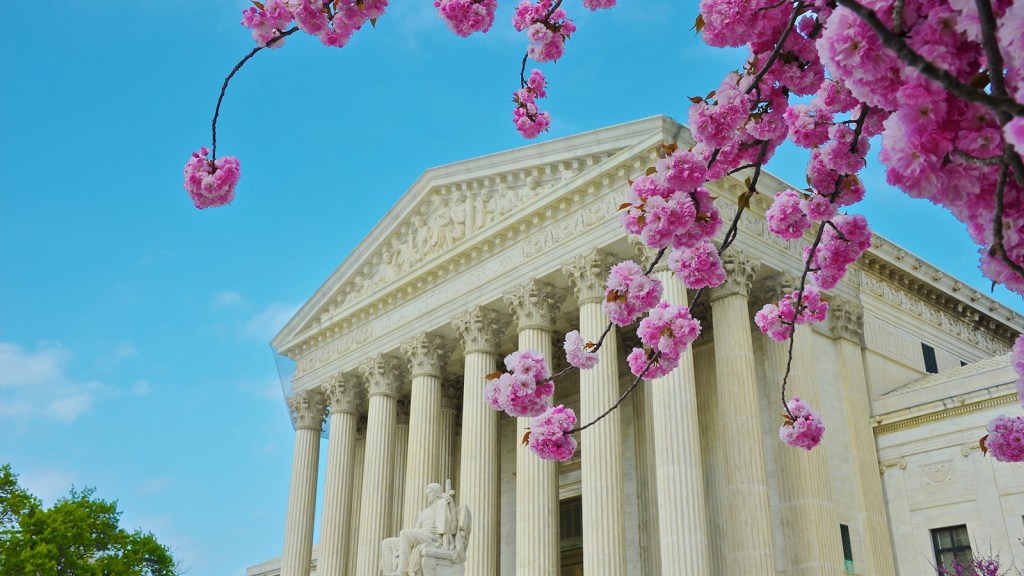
x=534, y=304
x=383, y=375
x=426, y=354
x=342, y=393
x=308, y=409
x=480, y=329
x=740, y=269
x=774, y=287
x=588, y=274
x=846, y=318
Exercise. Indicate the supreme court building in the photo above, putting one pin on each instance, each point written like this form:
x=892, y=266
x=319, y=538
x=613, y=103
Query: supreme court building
x=510, y=251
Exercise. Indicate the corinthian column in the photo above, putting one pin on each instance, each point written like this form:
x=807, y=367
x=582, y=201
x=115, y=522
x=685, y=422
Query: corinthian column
x=426, y=354
x=847, y=327
x=534, y=306
x=604, y=513
x=450, y=400
x=383, y=378
x=681, y=513
x=481, y=331
x=343, y=394
x=813, y=546
x=308, y=408
x=748, y=543
x=401, y=455
x=359, y=451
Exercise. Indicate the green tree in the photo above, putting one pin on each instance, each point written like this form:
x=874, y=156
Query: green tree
x=79, y=535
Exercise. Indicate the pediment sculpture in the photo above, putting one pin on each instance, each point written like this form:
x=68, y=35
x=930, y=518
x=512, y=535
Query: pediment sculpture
x=436, y=545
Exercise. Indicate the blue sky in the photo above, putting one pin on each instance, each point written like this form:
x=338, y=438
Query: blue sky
x=134, y=328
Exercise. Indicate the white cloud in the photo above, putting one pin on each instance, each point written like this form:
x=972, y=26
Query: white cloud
x=35, y=384
x=19, y=367
x=266, y=323
x=269, y=389
x=48, y=485
x=227, y=299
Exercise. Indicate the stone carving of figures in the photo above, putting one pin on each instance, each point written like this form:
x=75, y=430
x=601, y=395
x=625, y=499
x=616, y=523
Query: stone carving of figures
x=460, y=216
x=484, y=208
x=436, y=545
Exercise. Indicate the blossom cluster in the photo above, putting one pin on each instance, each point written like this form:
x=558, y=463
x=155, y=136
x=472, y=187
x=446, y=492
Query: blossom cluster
x=547, y=28
x=467, y=16
x=630, y=293
x=802, y=427
x=777, y=320
x=578, y=353
x=332, y=22
x=1005, y=440
x=529, y=120
x=549, y=437
x=525, y=389
x=666, y=332
x=211, y=183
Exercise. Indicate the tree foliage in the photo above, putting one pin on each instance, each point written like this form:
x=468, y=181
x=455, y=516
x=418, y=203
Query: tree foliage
x=80, y=535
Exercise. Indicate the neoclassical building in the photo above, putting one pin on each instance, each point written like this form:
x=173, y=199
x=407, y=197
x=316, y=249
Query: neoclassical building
x=510, y=251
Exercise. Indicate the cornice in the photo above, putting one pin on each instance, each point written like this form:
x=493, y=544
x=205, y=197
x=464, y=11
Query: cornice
x=943, y=409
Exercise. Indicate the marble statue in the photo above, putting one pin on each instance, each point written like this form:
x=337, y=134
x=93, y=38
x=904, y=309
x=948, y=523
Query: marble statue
x=436, y=545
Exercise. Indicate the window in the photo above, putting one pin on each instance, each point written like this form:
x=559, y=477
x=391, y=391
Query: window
x=931, y=366
x=951, y=545
x=844, y=533
x=570, y=534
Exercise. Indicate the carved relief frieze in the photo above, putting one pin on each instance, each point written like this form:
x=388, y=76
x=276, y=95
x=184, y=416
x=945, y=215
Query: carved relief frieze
x=955, y=326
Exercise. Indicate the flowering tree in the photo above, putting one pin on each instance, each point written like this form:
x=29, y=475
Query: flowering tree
x=940, y=81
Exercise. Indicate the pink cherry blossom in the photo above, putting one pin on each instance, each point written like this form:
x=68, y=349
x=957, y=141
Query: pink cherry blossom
x=697, y=267
x=465, y=17
x=629, y=293
x=211, y=183
x=598, y=4
x=267, y=23
x=776, y=320
x=786, y=218
x=842, y=243
x=577, y=352
x=666, y=332
x=805, y=429
x=525, y=389
x=548, y=434
x=528, y=119
x=1005, y=439
x=547, y=33
x=1014, y=131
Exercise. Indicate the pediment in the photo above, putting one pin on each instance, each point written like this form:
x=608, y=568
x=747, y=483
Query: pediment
x=452, y=207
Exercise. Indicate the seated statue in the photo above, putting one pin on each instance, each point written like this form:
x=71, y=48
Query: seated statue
x=436, y=545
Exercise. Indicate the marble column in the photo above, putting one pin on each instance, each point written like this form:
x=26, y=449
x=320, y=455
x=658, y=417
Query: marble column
x=604, y=513
x=534, y=306
x=383, y=381
x=343, y=394
x=450, y=396
x=847, y=321
x=309, y=410
x=398, y=470
x=358, y=455
x=426, y=355
x=681, y=513
x=647, y=491
x=813, y=545
x=480, y=331
x=748, y=534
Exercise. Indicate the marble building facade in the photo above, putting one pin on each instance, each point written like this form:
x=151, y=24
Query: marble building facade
x=509, y=251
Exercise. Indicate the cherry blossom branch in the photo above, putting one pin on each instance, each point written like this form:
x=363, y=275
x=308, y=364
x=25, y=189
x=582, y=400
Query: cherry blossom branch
x=777, y=50
x=997, y=219
x=857, y=132
x=622, y=397
x=522, y=69
x=224, y=87
x=995, y=60
x=895, y=43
